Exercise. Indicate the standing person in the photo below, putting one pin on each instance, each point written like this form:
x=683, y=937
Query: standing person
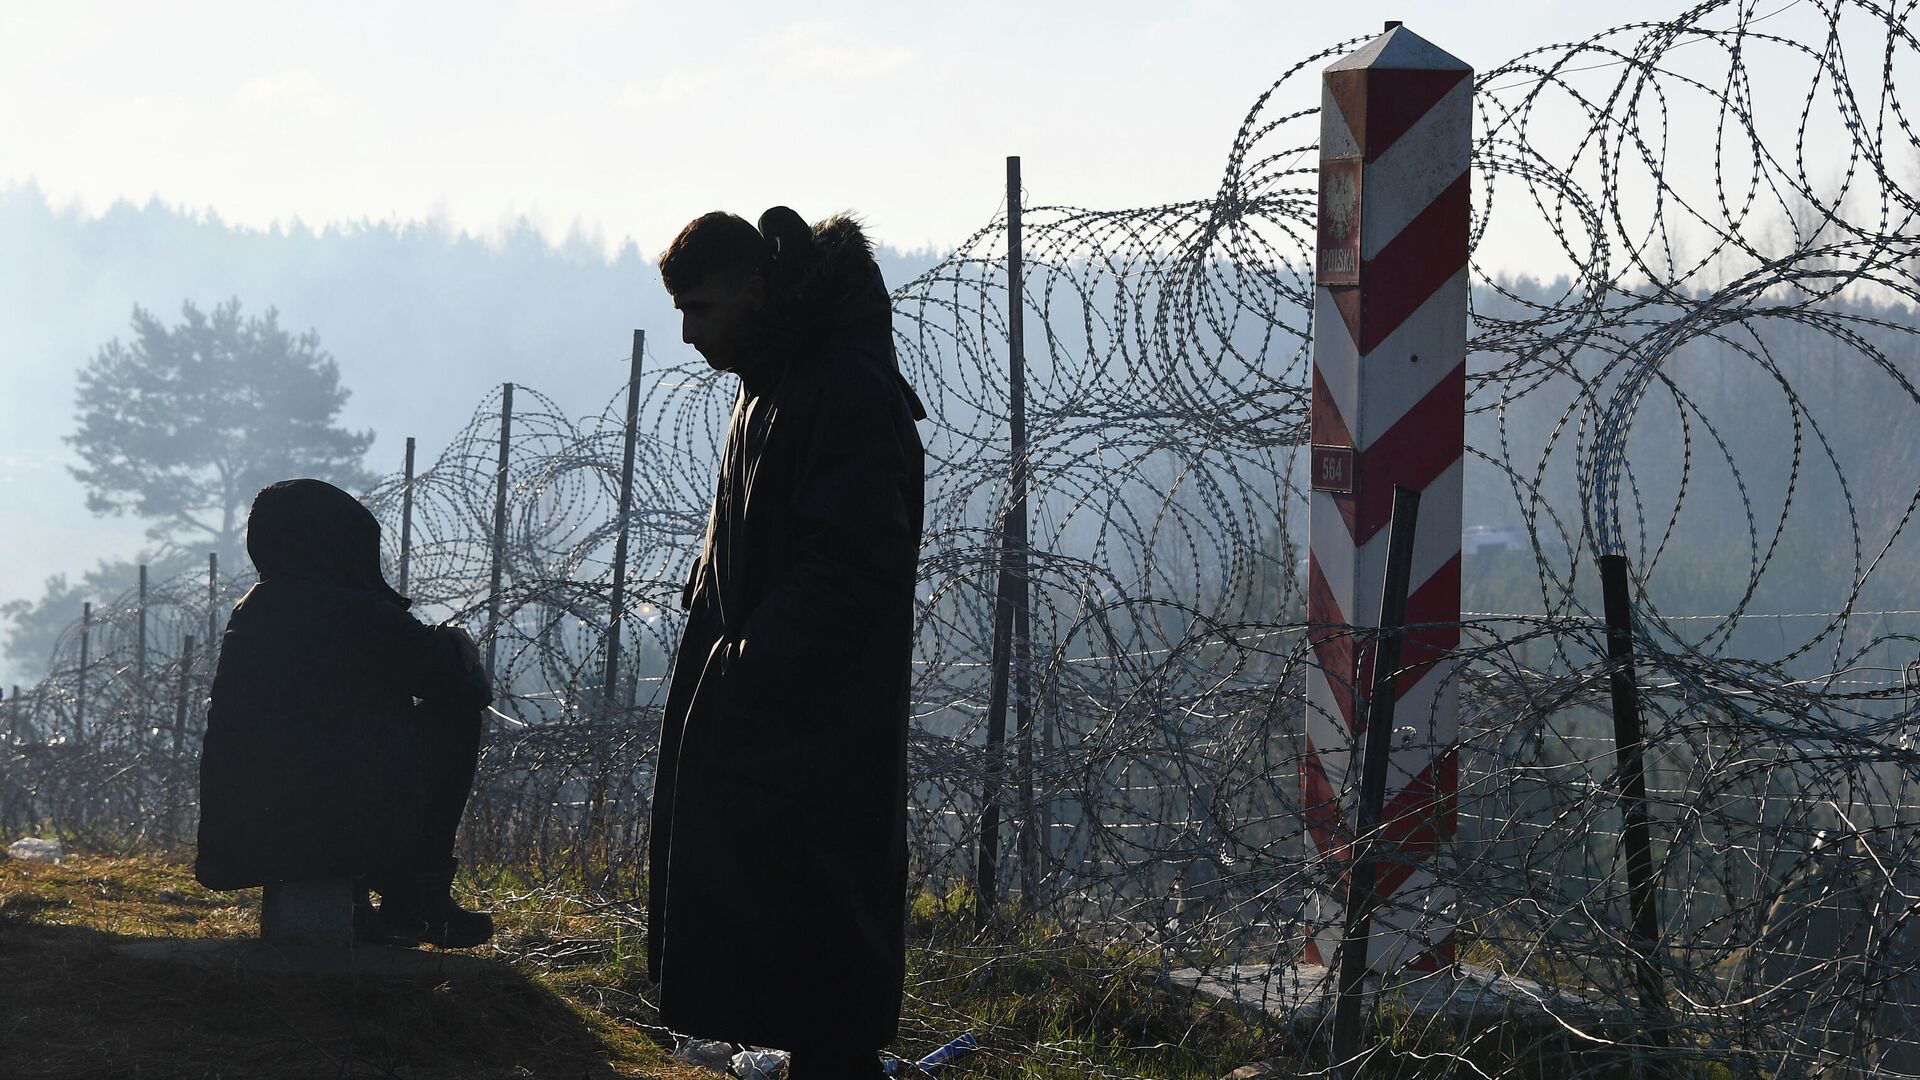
x=318, y=763
x=778, y=854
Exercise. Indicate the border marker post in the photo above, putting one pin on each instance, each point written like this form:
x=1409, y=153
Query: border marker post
x=1388, y=411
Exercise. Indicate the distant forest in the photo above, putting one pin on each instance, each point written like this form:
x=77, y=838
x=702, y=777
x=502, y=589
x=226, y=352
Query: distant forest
x=424, y=321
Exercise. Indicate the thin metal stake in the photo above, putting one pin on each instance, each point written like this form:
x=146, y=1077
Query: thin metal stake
x=1011, y=621
x=618, y=609
x=80, y=697
x=32, y=735
x=213, y=600
x=140, y=640
x=1363, y=869
x=177, y=777
x=1635, y=832
x=180, y=695
x=406, y=518
x=499, y=527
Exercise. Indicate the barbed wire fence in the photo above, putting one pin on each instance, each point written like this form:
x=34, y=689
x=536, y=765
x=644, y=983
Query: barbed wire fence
x=1704, y=361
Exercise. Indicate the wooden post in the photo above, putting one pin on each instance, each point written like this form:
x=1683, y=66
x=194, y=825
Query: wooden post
x=1364, y=868
x=406, y=517
x=499, y=528
x=1010, y=621
x=617, y=609
x=1635, y=832
x=1388, y=411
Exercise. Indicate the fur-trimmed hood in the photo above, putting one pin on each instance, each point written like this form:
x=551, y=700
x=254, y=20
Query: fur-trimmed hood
x=826, y=293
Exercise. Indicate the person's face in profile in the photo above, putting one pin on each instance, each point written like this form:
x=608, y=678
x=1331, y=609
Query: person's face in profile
x=718, y=315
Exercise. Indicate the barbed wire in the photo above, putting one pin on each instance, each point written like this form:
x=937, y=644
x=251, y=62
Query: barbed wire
x=1693, y=342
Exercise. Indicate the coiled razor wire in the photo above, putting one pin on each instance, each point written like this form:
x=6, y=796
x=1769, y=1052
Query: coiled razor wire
x=1705, y=363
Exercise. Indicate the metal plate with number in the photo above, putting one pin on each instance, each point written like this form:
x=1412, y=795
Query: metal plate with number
x=1333, y=468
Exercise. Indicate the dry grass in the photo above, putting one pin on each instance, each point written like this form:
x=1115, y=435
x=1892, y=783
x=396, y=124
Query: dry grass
x=562, y=993
x=75, y=1008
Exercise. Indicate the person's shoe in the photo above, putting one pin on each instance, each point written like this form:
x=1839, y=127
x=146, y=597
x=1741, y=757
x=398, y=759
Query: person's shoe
x=369, y=929
x=420, y=909
x=440, y=923
x=838, y=1065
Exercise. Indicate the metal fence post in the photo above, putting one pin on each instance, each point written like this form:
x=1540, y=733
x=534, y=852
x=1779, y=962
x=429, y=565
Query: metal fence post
x=1635, y=831
x=180, y=694
x=21, y=721
x=499, y=530
x=1363, y=869
x=213, y=601
x=406, y=518
x=140, y=639
x=180, y=727
x=617, y=609
x=1011, y=620
x=80, y=698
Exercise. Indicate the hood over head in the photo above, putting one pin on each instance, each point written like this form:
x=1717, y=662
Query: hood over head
x=823, y=284
x=309, y=530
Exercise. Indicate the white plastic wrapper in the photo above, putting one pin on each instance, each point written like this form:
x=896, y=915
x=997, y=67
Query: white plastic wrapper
x=705, y=1053
x=34, y=849
x=760, y=1065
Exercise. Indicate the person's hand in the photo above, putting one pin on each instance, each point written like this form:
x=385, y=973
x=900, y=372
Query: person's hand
x=469, y=652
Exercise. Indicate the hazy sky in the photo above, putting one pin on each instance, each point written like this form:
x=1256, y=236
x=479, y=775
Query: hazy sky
x=624, y=118
x=627, y=117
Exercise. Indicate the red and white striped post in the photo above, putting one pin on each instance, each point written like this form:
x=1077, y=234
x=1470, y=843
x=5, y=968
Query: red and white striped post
x=1389, y=409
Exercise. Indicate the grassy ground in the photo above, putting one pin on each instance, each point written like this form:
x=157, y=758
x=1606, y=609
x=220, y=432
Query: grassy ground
x=73, y=1007
x=565, y=995
x=1043, y=1005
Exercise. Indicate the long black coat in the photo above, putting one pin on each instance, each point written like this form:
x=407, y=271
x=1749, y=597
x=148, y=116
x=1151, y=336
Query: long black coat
x=778, y=848
x=303, y=766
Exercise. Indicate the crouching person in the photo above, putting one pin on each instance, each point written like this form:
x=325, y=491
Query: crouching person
x=318, y=761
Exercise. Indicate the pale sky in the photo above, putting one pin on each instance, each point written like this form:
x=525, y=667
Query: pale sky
x=626, y=117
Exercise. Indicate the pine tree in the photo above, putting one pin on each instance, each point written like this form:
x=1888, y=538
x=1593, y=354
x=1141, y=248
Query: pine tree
x=184, y=424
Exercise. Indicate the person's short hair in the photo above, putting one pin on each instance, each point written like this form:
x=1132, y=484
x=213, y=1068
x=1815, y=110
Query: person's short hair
x=711, y=243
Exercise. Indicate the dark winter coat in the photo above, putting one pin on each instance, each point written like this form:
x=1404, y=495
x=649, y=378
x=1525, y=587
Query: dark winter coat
x=778, y=848
x=318, y=670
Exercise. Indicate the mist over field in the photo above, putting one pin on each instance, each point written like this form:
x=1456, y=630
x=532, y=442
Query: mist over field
x=422, y=319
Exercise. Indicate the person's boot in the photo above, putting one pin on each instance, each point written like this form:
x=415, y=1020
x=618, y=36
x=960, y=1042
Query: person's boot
x=420, y=909
x=835, y=1064
x=368, y=928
